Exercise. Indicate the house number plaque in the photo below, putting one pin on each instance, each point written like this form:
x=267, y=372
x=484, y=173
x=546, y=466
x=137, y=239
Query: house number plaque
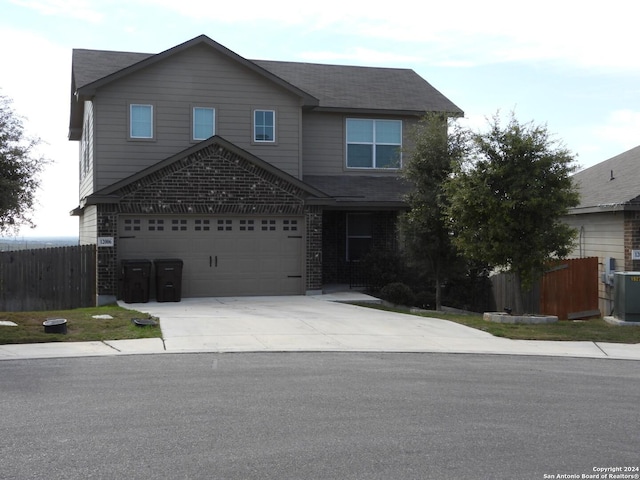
x=105, y=242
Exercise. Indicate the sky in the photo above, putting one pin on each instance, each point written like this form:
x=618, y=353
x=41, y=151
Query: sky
x=572, y=66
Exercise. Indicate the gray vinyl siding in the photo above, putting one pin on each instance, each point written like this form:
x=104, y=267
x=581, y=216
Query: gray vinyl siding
x=602, y=235
x=197, y=76
x=86, y=150
x=324, y=143
x=89, y=225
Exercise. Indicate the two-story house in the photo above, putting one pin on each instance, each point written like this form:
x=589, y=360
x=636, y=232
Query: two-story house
x=263, y=177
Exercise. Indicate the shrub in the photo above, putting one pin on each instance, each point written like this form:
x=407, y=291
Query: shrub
x=398, y=293
x=383, y=266
x=426, y=300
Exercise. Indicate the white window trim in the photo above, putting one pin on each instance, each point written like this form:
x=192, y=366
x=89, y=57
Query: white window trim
x=253, y=126
x=153, y=126
x=193, y=121
x=374, y=144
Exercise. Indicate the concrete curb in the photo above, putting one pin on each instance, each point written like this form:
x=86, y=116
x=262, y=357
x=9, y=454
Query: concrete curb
x=500, y=317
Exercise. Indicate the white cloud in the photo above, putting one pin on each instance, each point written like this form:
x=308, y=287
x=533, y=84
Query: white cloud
x=621, y=127
x=78, y=9
x=466, y=32
x=619, y=132
x=461, y=33
x=358, y=55
x=38, y=80
x=475, y=123
x=38, y=83
x=233, y=12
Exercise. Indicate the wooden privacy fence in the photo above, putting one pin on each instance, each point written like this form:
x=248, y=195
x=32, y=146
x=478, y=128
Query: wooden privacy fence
x=568, y=289
x=48, y=278
x=504, y=294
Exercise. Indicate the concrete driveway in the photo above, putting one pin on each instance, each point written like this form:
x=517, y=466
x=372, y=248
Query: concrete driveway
x=325, y=323
x=298, y=323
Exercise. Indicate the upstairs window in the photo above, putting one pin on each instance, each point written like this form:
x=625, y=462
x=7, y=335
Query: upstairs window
x=264, y=126
x=373, y=143
x=141, y=121
x=204, y=121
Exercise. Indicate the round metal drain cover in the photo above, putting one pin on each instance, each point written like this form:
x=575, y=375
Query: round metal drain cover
x=55, y=325
x=144, y=322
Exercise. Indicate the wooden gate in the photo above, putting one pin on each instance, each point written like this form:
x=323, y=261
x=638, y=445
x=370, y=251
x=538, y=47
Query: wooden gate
x=570, y=289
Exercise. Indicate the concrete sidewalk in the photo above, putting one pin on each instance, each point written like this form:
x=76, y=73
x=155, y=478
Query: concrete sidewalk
x=308, y=323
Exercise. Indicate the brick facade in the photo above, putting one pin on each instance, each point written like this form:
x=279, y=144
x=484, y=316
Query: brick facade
x=212, y=181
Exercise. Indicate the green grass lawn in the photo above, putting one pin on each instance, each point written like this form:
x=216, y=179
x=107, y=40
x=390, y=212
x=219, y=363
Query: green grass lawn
x=593, y=330
x=81, y=326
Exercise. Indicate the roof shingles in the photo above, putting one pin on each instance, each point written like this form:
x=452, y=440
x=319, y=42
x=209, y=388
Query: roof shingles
x=374, y=190
x=610, y=185
x=352, y=87
x=335, y=86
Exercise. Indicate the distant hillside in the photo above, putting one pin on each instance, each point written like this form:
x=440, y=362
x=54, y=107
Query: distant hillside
x=26, y=243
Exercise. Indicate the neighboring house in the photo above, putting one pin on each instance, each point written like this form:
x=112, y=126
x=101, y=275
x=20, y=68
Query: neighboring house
x=608, y=218
x=265, y=178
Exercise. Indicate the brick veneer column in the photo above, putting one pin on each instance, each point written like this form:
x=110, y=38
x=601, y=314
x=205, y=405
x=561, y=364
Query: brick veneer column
x=108, y=271
x=314, y=248
x=631, y=239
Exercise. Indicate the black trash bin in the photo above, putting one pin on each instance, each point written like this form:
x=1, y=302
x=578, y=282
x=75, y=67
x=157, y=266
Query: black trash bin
x=136, y=277
x=168, y=279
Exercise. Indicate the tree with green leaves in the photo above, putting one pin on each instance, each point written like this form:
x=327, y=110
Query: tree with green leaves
x=19, y=169
x=506, y=204
x=437, y=144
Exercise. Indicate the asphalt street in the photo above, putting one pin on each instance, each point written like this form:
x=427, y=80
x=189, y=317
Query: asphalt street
x=317, y=415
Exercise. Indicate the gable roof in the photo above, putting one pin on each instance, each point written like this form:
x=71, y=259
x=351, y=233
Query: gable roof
x=92, y=69
x=611, y=185
x=323, y=87
x=143, y=60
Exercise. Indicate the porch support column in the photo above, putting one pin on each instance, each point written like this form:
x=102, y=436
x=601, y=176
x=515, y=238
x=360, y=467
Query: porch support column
x=313, y=222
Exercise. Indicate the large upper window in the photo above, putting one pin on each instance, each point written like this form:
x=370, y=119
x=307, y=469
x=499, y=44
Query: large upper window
x=141, y=121
x=373, y=143
x=204, y=120
x=264, y=126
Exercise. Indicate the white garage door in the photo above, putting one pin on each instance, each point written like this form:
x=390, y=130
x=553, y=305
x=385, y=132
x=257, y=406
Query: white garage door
x=223, y=256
